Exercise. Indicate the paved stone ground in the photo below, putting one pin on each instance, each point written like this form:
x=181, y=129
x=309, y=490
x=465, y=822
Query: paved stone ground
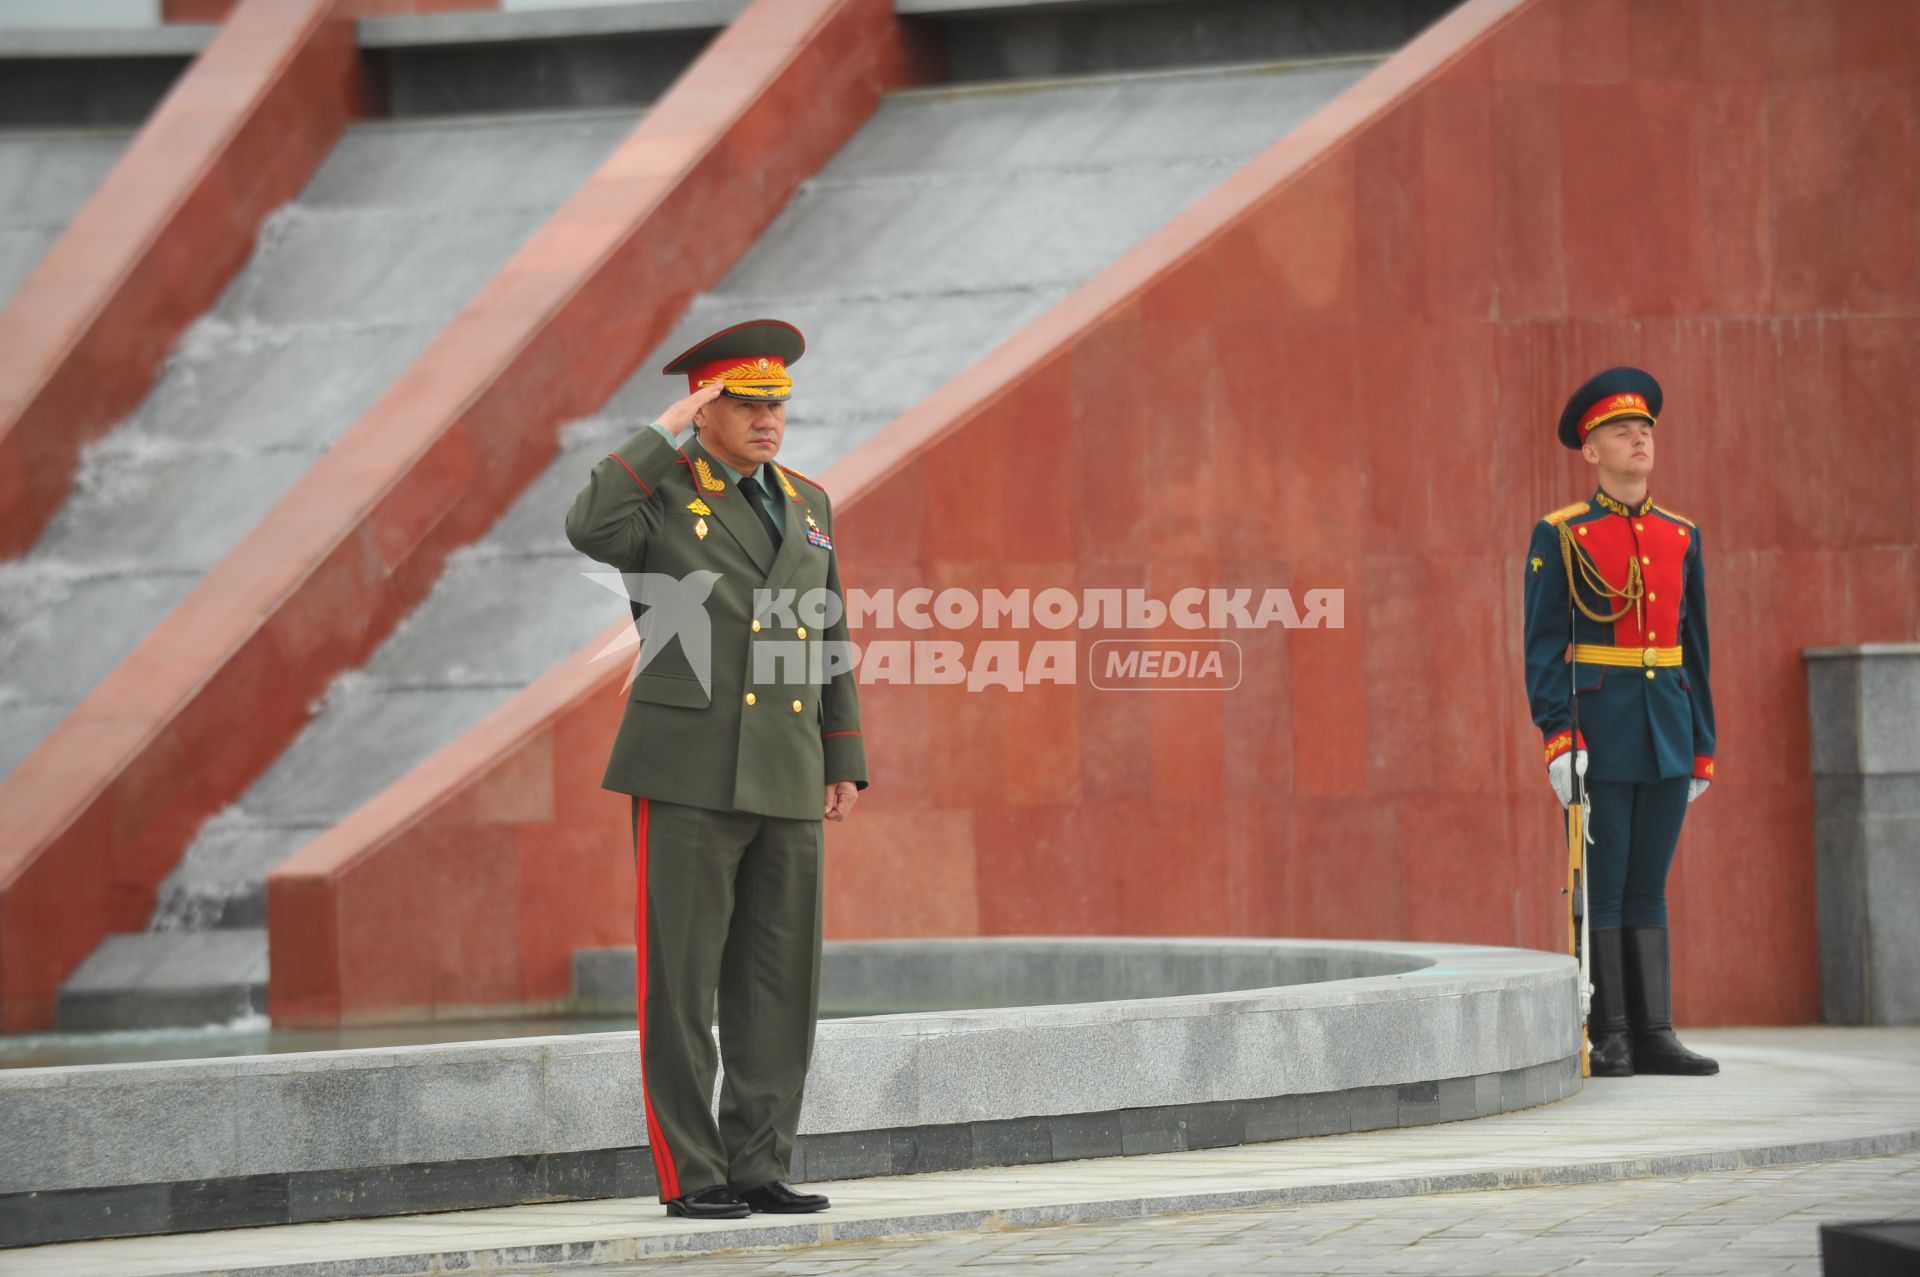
x=1631, y=1176
x=1758, y=1223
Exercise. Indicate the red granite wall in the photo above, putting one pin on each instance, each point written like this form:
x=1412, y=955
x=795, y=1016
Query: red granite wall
x=1350, y=380
x=1340, y=370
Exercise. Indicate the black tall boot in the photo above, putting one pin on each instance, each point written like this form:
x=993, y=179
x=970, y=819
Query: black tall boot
x=1656, y=1049
x=1609, y=1046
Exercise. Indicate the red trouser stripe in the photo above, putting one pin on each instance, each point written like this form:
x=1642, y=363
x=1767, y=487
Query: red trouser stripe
x=662, y=1155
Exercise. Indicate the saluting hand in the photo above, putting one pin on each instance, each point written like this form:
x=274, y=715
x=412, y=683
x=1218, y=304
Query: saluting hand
x=676, y=418
x=841, y=796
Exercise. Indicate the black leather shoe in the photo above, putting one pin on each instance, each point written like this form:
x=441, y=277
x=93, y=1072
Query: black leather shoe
x=1609, y=1047
x=779, y=1198
x=1656, y=1048
x=1610, y=1055
x=1661, y=1051
x=709, y=1203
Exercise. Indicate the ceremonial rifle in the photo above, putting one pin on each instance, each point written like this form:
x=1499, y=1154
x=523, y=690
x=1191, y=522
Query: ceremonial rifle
x=1577, y=923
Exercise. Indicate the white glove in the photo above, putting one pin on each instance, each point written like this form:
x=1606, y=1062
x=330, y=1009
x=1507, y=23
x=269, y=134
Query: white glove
x=1696, y=787
x=1560, y=773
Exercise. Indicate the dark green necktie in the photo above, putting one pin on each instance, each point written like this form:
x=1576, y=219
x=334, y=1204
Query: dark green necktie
x=751, y=487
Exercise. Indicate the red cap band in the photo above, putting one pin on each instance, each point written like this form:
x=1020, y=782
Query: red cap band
x=1627, y=405
x=763, y=378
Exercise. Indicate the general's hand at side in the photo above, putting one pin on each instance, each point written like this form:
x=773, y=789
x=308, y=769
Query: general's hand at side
x=676, y=418
x=841, y=796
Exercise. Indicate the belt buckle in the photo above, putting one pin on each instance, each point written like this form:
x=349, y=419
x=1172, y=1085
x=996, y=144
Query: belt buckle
x=1650, y=657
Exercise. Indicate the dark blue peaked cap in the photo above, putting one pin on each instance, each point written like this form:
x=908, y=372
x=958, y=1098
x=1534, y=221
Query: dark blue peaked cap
x=1608, y=396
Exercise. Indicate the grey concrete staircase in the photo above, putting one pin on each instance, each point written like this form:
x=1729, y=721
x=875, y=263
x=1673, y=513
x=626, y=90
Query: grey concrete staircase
x=46, y=177
x=398, y=229
x=156, y=979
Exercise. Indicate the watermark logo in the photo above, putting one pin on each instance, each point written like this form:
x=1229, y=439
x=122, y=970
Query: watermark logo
x=675, y=608
x=792, y=646
x=1165, y=665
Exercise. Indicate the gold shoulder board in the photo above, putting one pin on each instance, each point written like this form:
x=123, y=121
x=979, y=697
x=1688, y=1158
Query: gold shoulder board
x=1567, y=512
x=811, y=482
x=1675, y=514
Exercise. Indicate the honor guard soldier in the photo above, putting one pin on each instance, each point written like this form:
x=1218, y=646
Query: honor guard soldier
x=730, y=774
x=1614, y=585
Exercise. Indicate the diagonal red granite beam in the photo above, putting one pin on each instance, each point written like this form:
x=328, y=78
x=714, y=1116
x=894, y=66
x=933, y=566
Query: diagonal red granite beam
x=83, y=339
x=514, y=806
x=95, y=818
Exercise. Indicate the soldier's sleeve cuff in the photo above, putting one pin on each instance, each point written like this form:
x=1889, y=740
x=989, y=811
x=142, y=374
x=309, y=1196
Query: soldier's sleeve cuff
x=846, y=757
x=1702, y=768
x=649, y=456
x=1560, y=742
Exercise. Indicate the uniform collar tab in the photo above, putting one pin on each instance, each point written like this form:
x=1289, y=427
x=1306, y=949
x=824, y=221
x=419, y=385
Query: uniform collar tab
x=1621, y=508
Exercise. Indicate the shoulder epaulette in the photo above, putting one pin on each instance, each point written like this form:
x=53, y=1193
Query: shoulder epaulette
x=815, y=483
x=1675, y=514
x=1567, y=512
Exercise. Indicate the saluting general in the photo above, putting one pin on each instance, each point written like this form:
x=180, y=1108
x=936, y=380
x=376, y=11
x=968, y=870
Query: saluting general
x=732, y=762
x=1618, y=680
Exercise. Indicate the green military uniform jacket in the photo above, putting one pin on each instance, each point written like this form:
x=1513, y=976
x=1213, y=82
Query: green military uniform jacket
x=767, y=739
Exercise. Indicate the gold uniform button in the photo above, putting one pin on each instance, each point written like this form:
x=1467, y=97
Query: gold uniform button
x=1651, y=636
x=1639, y=527
x=1683, y=532
x=756, y=627
x=1652, y=598
x=1581, y=531
x=796, y=707
x=1645, y=559
x=801, y=632
x=750, y=698
x=1649, y=673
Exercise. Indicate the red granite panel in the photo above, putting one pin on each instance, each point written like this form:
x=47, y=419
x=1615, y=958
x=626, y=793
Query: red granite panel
x=1404, y=795
x=1528, y=228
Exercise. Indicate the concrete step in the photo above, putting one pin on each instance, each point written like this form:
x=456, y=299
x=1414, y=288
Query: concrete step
x=997, y=40
x=162, y=979
x=483, y=60
x=46, y=177
x=884, y=977
x=397, y=231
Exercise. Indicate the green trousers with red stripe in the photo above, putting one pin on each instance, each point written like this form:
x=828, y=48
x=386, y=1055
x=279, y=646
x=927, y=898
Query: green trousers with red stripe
x=728, y=913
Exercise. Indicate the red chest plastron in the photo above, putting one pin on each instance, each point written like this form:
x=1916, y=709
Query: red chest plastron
x=1659, y=546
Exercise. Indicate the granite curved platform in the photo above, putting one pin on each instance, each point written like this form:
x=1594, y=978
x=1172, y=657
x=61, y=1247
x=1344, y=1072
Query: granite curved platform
x=1097, y=1047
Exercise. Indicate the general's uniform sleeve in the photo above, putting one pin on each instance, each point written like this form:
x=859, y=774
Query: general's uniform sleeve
x=619, y=512
x=1548, y=632
x=1696, y=656
x=840, y=735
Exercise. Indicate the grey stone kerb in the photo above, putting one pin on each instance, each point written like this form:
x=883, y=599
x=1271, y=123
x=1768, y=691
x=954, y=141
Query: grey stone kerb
x=1322, y=1016
x=1387, y=1034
